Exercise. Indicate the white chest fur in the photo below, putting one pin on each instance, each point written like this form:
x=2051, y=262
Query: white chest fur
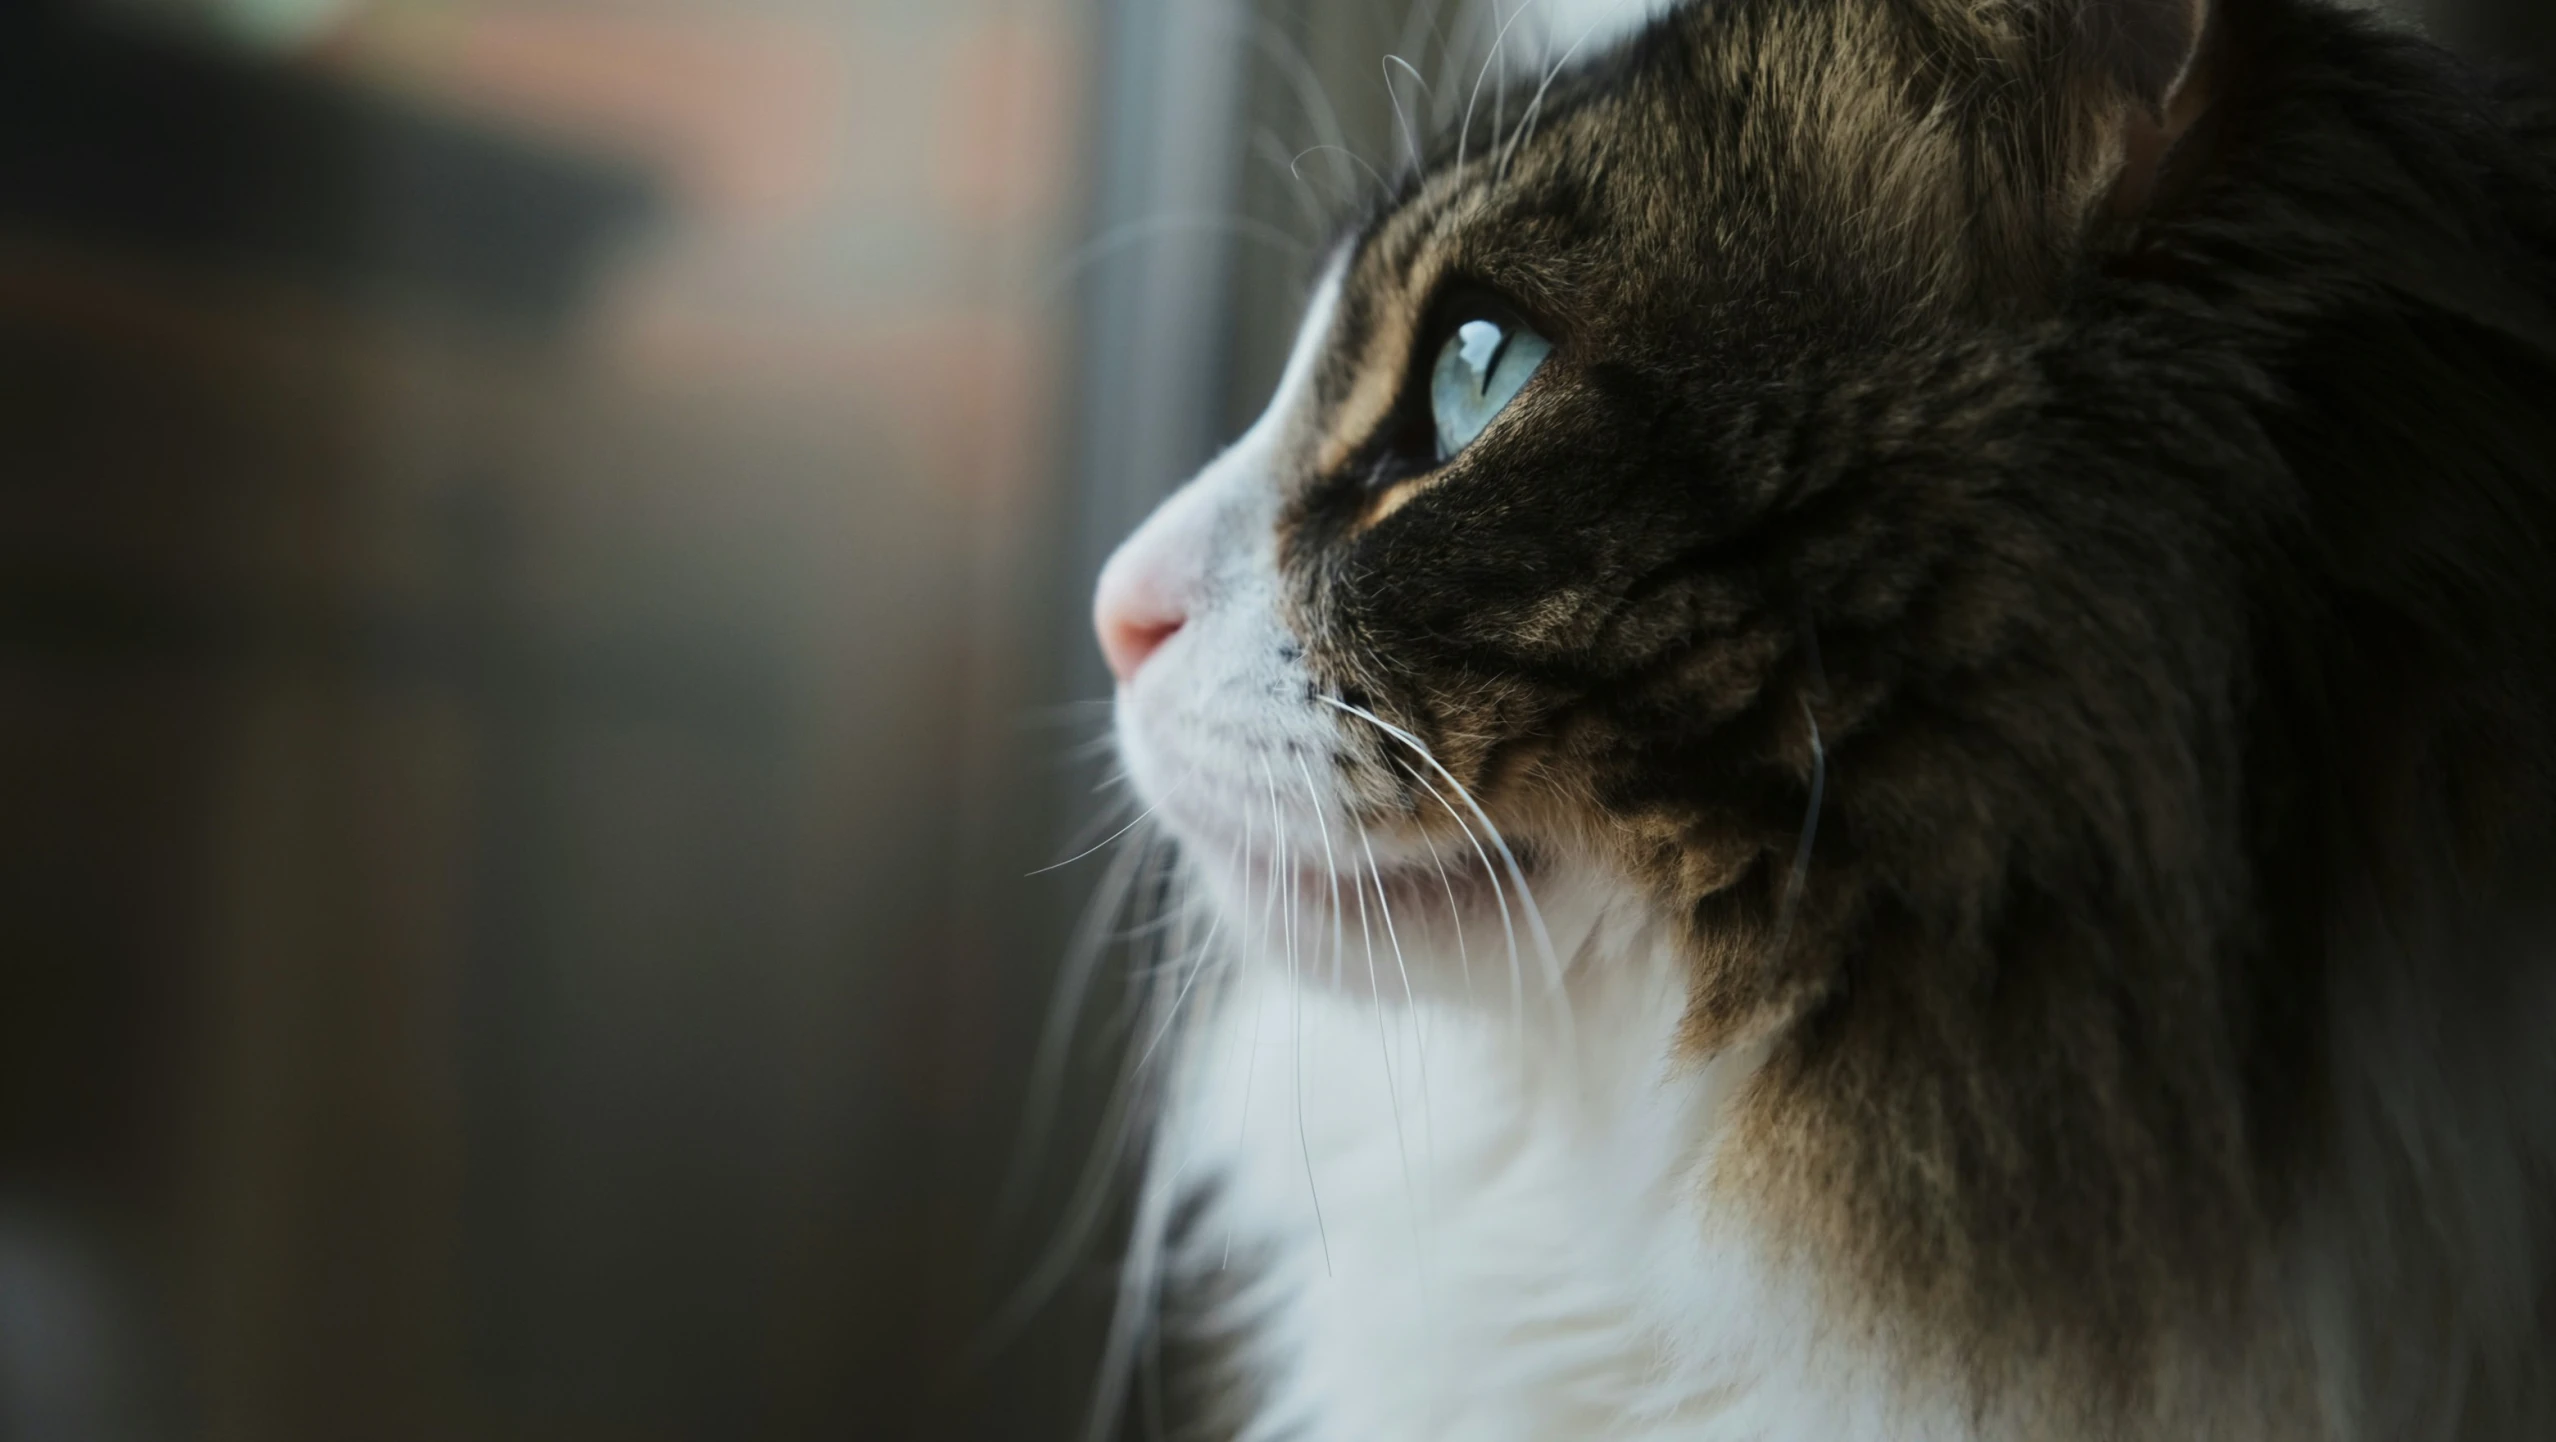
x=1454, y=1226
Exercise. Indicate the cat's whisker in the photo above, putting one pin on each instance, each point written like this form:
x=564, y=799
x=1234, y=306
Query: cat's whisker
x=1361, y=161
x=1419, y=28
x=1508, y=930
x=1098, y=748
x=1260, y=994
x=1197, y=963
x=1081, y=1217
x=1090, y=1201
x=1133, y=1328
x=1270, y=151
x=1092, y=936
x=1517, y=873
x=1139, y=1292
x=1283, y=51
x=1419, y=1042
x=1148, y=228
x=1455, y=913
x=1151, y=939
x=1384, y=1039
x=1296, y=1020
x=1141, y=818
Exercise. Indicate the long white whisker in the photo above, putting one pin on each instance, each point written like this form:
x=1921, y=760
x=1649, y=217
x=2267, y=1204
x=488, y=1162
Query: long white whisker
x=1047, y=1064
x=1455, y=913
x=1260, y=993
x=1419, y=1042
x=1384, y=1039
x=1508, y=931
x=1139, y=1279
x=1097, y=845
x=1296, y=1006
x=1171, y=1015
x=1517, y=874
x=1331, y=868
x=1082, y=1215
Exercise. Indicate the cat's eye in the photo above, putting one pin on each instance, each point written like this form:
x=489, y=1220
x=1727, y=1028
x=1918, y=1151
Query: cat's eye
x=1485, y=362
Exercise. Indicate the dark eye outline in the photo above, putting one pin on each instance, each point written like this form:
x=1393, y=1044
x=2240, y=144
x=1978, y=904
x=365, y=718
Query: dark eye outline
x=1406, y=445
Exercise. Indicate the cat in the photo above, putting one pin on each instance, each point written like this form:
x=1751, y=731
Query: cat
x=1869, y=736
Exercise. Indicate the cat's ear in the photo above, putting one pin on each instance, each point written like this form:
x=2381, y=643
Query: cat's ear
x=2152, y=68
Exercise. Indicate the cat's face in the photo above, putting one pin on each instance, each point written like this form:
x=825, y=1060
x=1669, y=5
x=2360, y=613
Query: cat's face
x=1618, y=459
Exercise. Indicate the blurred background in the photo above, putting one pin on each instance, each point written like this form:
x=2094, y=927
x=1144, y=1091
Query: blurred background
x=543, y=557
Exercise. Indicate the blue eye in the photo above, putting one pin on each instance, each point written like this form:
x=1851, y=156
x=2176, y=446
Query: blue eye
x=1479, y=370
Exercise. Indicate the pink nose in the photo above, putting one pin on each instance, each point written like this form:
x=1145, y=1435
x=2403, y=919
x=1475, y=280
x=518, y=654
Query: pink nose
x=1135, y=614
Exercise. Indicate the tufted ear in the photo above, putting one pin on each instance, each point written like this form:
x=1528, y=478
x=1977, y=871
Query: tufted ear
x=2158, y=60
x=2126, y=81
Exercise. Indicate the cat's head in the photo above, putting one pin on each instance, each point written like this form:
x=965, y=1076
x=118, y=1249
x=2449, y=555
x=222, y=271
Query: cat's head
x=1982, y=520
x=1661, y=436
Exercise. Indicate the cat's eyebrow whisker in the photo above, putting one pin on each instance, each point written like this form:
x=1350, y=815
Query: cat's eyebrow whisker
x=1155, y=227
x=1292, y=62
x=1498, y=41
x=1419, y=26
x=1272, y=152
x=1410, y=137
x=1296, y=160
x=1534, y=111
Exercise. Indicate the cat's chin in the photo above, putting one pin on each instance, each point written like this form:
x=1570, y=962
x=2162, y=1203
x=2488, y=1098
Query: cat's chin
x=1432, y=888
x=1446, y=923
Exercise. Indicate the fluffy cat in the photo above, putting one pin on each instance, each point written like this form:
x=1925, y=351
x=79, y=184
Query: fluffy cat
x=1870, y=735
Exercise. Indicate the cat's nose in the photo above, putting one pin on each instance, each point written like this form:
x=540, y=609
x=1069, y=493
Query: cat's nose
x=1138, y=607
x=1153, y=585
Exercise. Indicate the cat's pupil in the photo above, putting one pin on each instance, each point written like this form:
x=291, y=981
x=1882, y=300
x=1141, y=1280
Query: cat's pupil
x=1480, y=368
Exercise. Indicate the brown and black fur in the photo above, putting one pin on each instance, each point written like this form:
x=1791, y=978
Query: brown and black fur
x=2149, y=560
